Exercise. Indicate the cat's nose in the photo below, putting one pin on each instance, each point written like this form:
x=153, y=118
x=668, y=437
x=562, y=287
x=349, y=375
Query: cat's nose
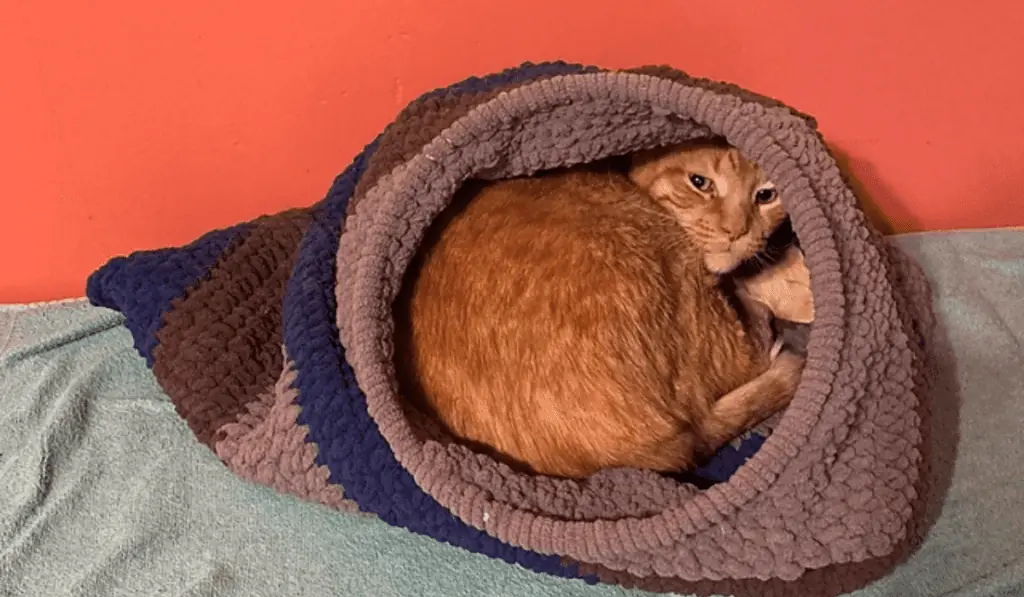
x=735, y=229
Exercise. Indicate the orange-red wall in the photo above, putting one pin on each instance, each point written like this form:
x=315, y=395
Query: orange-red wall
x=128, y=125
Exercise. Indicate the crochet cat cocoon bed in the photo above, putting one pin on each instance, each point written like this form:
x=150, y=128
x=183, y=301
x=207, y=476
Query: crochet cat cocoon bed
x=273, y=340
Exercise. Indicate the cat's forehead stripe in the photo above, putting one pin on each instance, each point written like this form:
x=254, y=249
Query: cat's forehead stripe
x=734, y=161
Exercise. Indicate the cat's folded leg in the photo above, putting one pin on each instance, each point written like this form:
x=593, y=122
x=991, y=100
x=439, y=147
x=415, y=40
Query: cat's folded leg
x=752, y=402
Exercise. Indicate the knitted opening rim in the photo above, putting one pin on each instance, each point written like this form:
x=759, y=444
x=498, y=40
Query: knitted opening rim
x=740, y=122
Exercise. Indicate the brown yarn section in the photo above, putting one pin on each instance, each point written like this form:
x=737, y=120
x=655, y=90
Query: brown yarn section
x=835, y=487
x=212, y=376
x=418, y=123
x=268, y=446
x=662, y=71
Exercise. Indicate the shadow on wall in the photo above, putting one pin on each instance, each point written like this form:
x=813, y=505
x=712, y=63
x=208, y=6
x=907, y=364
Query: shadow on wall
x=872, y=195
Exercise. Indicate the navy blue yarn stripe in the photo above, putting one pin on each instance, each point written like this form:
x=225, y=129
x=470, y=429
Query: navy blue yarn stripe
x=333, y=406
x=728, y=460
x=142, y=285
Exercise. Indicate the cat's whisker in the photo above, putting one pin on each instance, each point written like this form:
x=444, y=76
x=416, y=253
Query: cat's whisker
x=651, y=211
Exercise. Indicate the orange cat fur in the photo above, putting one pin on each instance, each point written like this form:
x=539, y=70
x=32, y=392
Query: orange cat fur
x=572, y=322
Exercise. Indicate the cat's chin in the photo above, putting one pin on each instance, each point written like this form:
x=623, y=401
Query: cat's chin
x=721, y=263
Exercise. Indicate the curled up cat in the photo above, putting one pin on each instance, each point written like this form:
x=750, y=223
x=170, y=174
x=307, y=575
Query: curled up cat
x=574, y=321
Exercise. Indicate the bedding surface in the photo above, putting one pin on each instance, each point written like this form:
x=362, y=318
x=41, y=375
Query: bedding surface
x=104, y=491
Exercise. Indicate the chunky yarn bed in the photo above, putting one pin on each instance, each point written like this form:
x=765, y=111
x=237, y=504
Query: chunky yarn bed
x=273, y=340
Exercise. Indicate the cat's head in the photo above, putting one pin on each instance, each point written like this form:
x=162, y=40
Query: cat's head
x=723, y=200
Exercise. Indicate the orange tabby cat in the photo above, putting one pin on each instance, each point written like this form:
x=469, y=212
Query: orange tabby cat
x=572, y=322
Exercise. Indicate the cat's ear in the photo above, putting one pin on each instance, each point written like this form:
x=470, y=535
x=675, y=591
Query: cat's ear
x=647, y=165
x=643, y=168
x=670, y=184
x=658, y=173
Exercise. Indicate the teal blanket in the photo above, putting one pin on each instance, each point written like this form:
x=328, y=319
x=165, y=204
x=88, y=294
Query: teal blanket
x=104, y=491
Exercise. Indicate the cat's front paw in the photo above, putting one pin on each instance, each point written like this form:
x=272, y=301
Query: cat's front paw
x=787, y=366
x=785, y=288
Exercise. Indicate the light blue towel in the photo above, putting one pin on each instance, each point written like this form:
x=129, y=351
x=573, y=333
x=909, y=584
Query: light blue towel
x=103, y=491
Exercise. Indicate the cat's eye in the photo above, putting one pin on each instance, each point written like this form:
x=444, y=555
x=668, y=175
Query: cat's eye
x=700, y=183
x=765, y=196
